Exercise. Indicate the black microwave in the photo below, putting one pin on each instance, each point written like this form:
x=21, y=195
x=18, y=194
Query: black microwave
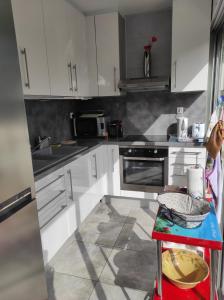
x=90, y=125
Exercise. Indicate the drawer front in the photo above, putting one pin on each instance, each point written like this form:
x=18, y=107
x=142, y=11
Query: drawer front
x=179, y=180
x=51, y=192
x=190, y=152
x=48, y=180
x=48, y=212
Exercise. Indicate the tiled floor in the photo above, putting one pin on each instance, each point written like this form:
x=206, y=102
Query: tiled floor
x=110, y=256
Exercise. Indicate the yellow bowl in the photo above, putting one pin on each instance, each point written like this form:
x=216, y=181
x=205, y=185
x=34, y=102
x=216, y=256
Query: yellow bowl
x=184, y=268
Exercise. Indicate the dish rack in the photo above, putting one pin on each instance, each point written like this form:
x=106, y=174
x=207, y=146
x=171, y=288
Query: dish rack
x=207, y=235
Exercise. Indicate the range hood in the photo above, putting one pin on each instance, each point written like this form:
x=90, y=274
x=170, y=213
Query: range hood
x=145, y=84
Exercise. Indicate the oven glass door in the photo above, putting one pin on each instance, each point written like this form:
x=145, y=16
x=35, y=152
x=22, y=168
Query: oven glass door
x=143, y=171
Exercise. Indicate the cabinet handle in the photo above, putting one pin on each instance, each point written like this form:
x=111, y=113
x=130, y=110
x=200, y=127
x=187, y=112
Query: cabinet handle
x=69, y=172
x=70, y=76
x=52, y=200
x=190, y=152
x=175, y=74
x=112, y=157
x=95, y=175
x=76, y=78
x=115, y=79
x=24, y=53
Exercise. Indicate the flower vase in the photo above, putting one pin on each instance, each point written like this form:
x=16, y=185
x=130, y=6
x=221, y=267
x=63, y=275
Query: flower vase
x=147, y=63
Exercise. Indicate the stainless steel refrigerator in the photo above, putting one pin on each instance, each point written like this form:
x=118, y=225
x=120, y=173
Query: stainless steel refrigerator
x=21, y=261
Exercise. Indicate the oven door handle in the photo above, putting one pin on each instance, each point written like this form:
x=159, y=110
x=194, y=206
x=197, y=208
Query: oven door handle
x=144, y=158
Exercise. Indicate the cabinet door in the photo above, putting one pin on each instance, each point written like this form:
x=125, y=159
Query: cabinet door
x=98, y=174
x=79, y=182
x=29, y=26
x=59, y=45
x=91, y=56
x=113, y=170
x=190, y=45
x=80, y=64
x=108, y=58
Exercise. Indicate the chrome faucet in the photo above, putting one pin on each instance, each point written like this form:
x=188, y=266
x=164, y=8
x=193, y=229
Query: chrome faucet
x=42, y=143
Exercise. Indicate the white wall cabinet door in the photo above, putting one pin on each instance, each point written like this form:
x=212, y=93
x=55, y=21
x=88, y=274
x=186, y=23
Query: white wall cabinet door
x=29, y=26
x=108, y=56
x=92, y=56
x=80, y=65
x=59, y=47
x=190, y=45
x=113, y=170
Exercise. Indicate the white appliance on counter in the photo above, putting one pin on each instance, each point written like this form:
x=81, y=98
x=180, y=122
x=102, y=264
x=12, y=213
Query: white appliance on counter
x=198, y=131
x=182, y=129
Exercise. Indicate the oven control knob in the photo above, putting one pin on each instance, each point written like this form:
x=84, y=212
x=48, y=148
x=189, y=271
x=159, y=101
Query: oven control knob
x=155, y=151
x=129, y=150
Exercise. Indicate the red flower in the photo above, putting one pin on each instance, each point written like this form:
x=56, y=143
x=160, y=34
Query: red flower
x=154, y=39
x=147, y=47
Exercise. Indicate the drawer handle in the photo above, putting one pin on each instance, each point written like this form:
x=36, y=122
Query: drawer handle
x=24, y=53
x=182, y=152
x=182, y=164
x=50, y=201
x=69, y=172
x=47, y=185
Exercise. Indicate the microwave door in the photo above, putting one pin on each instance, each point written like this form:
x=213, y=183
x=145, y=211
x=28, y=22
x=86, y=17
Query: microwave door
x=86, y=127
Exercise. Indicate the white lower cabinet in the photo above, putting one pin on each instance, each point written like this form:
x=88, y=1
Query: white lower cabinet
x=180, y=160
x=113, y=170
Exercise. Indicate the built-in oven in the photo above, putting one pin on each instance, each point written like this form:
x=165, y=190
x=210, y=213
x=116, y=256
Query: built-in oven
x=143, y=168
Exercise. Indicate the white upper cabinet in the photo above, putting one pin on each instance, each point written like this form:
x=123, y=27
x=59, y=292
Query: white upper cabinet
x=190, y=45
x=104, y=33
x=29, y=26
x=59, y=47
x=91, y=56
x=108, y=58
x=80, y=66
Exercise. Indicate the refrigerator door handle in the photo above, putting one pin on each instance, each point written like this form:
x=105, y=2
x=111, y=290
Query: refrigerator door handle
x=11, y=206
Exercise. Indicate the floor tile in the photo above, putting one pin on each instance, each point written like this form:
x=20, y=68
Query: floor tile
x=80, y=259
x=99, y=233
x=110, y=292
x=135, y=237
x=106, y=213
x=145, y=217
x=132, y=269
x=66, y=287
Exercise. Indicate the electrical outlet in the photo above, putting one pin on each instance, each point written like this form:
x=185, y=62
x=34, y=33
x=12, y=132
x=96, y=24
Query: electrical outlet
x=71, y=115
x=180, y=110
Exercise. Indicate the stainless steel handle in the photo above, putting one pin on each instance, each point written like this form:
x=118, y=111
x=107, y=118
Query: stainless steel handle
x=52, y=200
x=175, y=74
x=27, y=83
x=47, y=185
x=115, y=79
x=76, y=78
x=144, y=158
x=95, y=175
x=182, y=164
x=69, y=172
x=183, y=152
x=180, y=175
x=112, y=158
x=70, y=75
x=15, y=202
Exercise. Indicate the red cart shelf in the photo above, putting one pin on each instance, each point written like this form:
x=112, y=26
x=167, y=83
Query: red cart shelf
x=171, y=292
x=207, y=235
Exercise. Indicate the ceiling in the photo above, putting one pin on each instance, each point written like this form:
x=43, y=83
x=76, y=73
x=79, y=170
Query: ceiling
x=125, y=7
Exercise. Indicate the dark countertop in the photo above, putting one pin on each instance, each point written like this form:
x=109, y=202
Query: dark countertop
x=43, y=168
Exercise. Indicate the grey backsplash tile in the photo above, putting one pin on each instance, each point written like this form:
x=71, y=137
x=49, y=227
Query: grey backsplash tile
x=151, y=113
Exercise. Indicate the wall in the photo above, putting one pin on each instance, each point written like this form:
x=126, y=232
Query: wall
x=139, y=29
x=49, y=118
x=151, y=113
